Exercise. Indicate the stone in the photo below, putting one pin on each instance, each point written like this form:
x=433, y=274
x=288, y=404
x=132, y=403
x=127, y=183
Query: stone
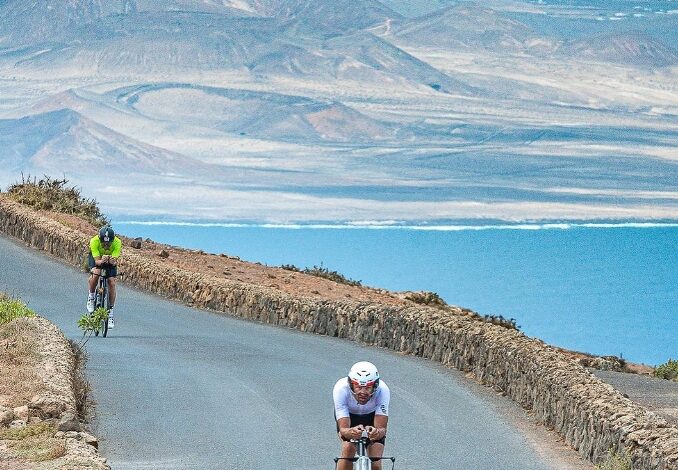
x=6, y=416
x=17, y=423
x=136, y=243
x=21, y=412
x=46, y=407
x=68, y=422
x=163, y=254
x=89, y=439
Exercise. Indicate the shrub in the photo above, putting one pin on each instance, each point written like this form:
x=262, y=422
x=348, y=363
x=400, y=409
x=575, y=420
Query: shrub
x=509, y=323
x=54, y=195
x=320, y=271
x=11, y=309
x=426, y=298
x=668, y=371
x=290, y=267
x=615, y=461
x=91, y=323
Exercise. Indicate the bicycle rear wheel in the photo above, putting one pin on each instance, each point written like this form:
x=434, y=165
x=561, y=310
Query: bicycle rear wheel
x=102, y=302
x=104, y=322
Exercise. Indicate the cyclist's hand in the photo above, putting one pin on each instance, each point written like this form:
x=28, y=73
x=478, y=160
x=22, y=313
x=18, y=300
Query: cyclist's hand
x=106, y=259
x=373, y=433
x=357, y=431
x=112, y=261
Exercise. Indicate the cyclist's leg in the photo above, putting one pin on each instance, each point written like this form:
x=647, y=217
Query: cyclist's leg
x=94, y=275
x=111, y=292
x=376, y=449
x=347, y=452
x=92, y=284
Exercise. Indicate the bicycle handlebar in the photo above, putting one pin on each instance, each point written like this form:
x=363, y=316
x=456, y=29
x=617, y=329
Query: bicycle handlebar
x=354, y=459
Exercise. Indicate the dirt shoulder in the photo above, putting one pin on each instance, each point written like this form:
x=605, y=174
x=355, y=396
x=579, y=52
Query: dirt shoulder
x=40, y=427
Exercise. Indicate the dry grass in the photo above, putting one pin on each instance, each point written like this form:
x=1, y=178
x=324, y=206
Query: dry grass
x=54, y=195
x=81, y=387
x=35, y=442
x=18, y=357
x=11, y=309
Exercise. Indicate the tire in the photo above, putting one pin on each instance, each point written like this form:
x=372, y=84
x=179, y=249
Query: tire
x=102, y=301
x=97, y=304
x=104, y=323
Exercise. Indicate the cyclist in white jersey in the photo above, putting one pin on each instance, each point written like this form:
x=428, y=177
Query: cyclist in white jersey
x=361, y=403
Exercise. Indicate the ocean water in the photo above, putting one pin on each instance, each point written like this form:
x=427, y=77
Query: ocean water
x=609, y=289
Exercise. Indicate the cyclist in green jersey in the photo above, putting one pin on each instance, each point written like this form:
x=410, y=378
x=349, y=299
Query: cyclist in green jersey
x=104, y=251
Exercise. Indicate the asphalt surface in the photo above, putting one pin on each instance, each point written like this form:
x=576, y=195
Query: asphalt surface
x=180, y=388
x=658, y=395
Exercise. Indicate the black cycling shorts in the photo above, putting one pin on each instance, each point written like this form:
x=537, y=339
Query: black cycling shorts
x=365, y=420
x=112, y=270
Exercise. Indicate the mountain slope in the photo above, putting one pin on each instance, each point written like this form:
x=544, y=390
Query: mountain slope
x=263, y=115
x=172, y=43
x=470, y=26
x=632, y=48
x=49, y=20
x=326, y=17
x=65, y=141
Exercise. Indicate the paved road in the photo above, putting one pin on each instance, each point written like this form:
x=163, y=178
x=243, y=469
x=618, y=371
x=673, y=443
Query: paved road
x=657, y=395
x=179, y=388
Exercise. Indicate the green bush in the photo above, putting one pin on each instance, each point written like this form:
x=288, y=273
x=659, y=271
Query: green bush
x=11, y=309
x=500, y=320
x=91, y=323
x=54, y=195
x=615, y=461
x=426, y=298
x=668, y=371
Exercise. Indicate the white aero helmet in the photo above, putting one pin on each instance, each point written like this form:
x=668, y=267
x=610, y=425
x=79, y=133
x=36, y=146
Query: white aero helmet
x=363, y=374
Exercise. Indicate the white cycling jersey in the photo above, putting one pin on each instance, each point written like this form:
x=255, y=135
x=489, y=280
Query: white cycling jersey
x=345, y=402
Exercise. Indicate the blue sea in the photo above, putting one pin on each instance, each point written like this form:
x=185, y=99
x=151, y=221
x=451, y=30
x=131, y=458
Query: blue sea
x=608, y=289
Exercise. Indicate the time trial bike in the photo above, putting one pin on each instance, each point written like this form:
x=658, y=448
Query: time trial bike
x=101, y=300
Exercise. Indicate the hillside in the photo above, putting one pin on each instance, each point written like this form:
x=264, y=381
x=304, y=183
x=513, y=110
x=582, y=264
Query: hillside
x=65, y=141
x=633, y=48
x=468, y=27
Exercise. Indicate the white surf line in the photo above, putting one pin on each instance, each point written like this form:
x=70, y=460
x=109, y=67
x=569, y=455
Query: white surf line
x=440, y=228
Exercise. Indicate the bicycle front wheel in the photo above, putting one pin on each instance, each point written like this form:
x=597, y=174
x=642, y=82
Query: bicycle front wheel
x=104, y=322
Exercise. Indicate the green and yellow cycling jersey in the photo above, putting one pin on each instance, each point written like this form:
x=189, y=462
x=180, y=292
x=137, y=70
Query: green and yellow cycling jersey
x=98, y=250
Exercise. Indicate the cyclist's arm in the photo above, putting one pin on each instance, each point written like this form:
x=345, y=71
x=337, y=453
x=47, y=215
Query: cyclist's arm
x=341, y=413
x=348, y=432
x=95, y=249
x=381, y=413
x=380, y=425
x=116, y=248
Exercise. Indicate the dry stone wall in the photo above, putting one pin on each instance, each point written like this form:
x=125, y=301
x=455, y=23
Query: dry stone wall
x=590, y=415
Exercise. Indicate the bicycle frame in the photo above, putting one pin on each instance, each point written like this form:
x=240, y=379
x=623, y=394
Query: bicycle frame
x=362, y=461
x=101, y=299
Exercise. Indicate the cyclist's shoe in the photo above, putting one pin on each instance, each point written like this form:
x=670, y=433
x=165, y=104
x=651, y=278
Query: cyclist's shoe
x=90, y=305
x=111, y=323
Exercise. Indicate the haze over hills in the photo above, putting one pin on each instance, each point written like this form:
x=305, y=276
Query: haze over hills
x=383, y=110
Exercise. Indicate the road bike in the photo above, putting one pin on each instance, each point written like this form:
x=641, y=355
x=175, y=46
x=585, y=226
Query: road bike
x=362, y=461
x=101, y=300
